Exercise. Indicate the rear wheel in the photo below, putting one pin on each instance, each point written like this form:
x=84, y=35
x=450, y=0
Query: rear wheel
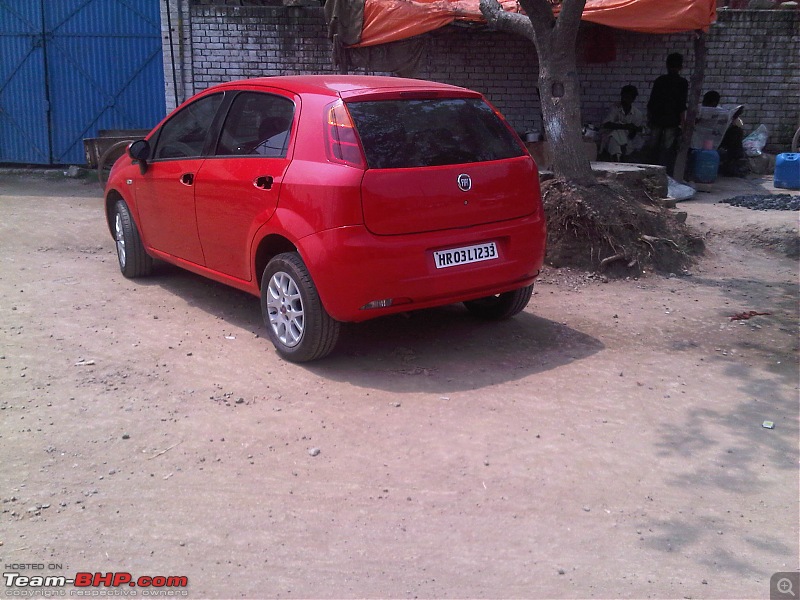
x=296, y=321
x=501, y=306
x=133, y=258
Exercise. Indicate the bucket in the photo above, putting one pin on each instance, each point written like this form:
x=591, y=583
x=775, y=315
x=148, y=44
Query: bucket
x=787, y=171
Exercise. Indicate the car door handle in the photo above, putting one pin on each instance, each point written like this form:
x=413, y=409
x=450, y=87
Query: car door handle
x=264, y=182
x=187, y=178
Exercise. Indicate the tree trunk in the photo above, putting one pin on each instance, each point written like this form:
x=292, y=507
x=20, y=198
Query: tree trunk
x=559, y=88
x=695, y=87
x=559, y=92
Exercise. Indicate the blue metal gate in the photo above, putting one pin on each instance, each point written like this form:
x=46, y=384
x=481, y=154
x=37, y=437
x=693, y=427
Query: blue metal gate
x=69, y=68
x=23, y=100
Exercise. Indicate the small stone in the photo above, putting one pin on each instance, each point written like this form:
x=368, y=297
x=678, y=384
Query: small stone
x=561, y=572
x=313, y=451
x=125, y=436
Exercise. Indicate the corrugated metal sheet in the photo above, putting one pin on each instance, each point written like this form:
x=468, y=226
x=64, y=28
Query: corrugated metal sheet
x=102, y=60
x=23, y=101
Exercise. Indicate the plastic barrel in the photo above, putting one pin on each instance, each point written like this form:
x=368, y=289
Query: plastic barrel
x=787, y=171
x=706, y=166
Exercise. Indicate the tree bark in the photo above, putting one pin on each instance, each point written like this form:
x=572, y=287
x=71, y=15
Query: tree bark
x=695, y=87
x=559, y=89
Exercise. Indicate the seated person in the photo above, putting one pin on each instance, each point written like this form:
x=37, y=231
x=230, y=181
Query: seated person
x=724, y=130
x=711, y=98
x=732, y=159
x=622, y=126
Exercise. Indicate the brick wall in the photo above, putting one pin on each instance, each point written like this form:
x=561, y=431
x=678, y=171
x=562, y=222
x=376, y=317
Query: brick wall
x=178, y=56
x=753, y=59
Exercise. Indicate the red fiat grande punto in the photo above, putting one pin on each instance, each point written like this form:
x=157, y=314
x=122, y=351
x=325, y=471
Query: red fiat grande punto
x=335, y=199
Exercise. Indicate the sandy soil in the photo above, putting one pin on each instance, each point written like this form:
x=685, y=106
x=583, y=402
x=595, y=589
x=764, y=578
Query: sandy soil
x=606, y=443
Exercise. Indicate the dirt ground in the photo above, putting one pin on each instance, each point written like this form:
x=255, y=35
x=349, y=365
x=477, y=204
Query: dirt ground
x=606, y=443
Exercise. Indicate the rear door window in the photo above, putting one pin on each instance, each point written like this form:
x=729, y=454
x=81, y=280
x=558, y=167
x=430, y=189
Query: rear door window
x=258, y=124
x=399, y=134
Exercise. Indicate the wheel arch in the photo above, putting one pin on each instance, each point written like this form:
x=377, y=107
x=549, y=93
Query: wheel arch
x=270, y=245
x=112, y=197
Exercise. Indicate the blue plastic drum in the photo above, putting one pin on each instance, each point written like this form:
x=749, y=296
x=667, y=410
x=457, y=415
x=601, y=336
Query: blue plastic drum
x=787, y=171
x=706, y=166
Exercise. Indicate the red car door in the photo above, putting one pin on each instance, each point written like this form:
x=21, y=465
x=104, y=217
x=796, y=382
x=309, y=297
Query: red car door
x=165, y=194
x=238, y=187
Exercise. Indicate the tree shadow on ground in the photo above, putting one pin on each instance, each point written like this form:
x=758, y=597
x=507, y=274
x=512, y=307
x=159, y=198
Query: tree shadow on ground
x=725, y=449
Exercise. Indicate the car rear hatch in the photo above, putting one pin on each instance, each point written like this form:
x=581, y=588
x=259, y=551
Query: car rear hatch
x=440, y=162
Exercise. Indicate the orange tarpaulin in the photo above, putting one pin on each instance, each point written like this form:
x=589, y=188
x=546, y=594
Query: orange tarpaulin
x=391, y=20
x=652, y=16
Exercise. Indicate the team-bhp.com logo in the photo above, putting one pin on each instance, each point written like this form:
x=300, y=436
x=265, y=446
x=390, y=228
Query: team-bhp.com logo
x=92, y=584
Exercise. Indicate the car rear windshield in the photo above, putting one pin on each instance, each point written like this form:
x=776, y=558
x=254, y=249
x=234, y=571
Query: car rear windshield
x=399, y=134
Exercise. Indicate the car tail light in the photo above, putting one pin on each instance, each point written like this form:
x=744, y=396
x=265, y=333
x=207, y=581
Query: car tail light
x=341, y=140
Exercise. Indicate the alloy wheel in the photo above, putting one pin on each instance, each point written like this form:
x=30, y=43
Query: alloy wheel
x=119, y=235
x=285, y=309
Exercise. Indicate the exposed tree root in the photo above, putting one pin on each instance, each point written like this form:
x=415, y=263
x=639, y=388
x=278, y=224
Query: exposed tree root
x=604, y=225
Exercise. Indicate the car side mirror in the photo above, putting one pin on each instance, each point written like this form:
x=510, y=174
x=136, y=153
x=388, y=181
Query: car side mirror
x=139, y=151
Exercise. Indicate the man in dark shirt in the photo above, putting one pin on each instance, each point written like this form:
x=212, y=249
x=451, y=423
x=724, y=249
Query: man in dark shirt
x=666, y=111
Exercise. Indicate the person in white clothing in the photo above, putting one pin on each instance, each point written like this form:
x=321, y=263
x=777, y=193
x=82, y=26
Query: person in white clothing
x=622, y=127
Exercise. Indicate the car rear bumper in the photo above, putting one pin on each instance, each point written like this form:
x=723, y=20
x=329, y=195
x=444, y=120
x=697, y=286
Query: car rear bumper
x=353, y=267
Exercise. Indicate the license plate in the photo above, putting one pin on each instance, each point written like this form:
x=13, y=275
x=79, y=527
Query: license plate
x=462, y=256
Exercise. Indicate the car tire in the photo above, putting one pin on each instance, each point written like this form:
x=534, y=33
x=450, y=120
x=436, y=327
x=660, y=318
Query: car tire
x=133, y=258
x=502, y=306
x=297, y=323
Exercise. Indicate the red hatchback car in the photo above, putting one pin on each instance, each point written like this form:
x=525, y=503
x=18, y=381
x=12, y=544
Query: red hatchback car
x=335, y=199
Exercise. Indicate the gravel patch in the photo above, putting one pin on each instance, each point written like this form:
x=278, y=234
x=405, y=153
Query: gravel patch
x=765, y=201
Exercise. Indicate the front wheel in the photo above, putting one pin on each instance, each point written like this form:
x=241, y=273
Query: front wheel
x=296, y=321
x=133, y=258
x=501, y=306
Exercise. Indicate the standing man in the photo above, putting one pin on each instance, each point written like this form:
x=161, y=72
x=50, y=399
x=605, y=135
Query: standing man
x=666, y=111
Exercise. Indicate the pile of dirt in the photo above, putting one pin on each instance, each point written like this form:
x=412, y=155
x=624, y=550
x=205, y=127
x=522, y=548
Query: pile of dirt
x=612, y=228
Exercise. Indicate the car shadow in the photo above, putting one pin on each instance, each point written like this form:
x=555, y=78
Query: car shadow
x=433, y=350
x=447, y=348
